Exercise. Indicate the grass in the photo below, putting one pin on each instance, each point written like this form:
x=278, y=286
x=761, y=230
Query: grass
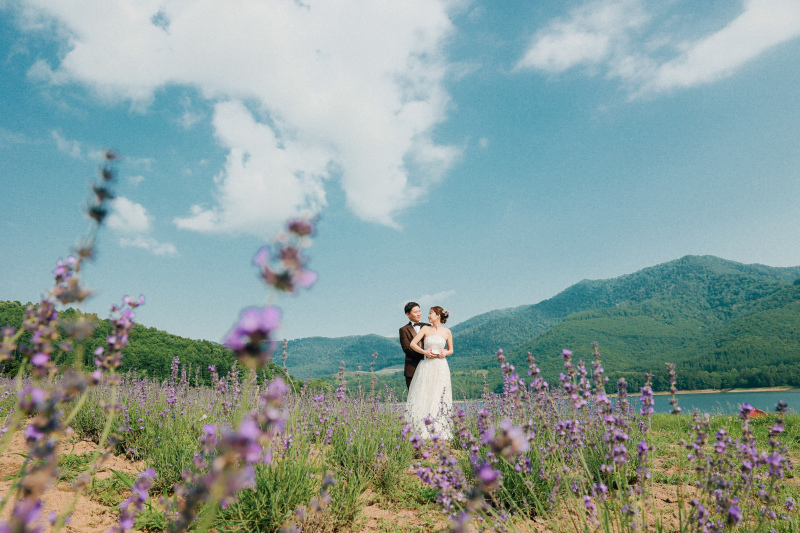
x=71, y=466
x=110, y=491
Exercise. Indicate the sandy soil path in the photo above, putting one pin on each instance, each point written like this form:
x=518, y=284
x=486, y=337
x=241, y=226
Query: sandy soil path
x=89, y=516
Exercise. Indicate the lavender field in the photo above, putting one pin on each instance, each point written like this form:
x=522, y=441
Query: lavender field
x=536, y=457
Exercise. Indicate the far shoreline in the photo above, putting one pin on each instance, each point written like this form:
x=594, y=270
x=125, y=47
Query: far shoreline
x=716, y=391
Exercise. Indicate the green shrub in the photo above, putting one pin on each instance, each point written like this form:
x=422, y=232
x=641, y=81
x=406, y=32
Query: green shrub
x=281, y=487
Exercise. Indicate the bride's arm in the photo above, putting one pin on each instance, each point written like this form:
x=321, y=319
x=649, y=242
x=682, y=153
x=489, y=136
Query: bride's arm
x=449, y=350
x=416, y=340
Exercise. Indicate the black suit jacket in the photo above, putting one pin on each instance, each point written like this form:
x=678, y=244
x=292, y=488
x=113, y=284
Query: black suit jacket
x=413, y=358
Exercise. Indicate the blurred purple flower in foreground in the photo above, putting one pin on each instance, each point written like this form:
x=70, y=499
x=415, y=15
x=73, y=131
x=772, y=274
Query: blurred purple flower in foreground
x=251, y=337
x=282, y=265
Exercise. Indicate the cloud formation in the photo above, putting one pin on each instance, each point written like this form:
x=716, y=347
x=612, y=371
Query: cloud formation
x=150, y=244
x=762, y=25
x=262, y=174
x=8, y=137
x=591, y=34
x=322, y=89
x=621, y=39
x=65, y=146
x=133, y=224
x=429, y=300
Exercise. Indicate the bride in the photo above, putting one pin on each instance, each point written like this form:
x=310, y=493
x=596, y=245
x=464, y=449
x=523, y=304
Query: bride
x=430, y=393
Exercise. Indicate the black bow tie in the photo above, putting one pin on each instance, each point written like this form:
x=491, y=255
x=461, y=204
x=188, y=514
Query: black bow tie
x=417, y=324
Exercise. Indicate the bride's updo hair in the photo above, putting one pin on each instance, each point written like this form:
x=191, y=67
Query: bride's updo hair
x=443, y=314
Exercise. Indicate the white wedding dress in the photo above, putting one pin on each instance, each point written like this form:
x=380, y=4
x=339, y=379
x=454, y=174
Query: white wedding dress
x=430, y=393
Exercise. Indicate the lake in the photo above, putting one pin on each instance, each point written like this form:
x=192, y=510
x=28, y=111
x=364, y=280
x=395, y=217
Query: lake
x=729, y=402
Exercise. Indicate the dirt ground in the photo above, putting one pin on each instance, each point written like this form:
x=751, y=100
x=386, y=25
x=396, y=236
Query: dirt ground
x=89, y=516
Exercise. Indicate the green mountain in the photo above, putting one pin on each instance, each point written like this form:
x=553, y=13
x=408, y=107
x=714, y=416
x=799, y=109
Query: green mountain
x=318, y=356
x=676, y=282
x=703, y=313
x=759, y=349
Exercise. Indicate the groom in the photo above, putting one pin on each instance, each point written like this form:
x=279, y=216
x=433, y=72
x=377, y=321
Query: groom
x=407, y=334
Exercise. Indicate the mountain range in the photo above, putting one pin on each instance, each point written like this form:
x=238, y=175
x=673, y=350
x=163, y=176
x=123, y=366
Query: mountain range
x=723, y=323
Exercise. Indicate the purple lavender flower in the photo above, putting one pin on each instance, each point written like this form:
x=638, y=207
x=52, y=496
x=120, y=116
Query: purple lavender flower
x=511, y=442
x=301, y=227
x=132, y=302
x=790, y=503
x=673, y=379
x=647, y=398
x=488, y=476
x=734, y=515
x=134, y=504
x=289, y=272
x=251, y=337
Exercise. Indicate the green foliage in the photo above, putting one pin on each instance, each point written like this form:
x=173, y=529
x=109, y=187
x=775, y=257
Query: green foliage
x=112, y=490
x=150, y=519
x=150, y=352
x=281, y=487
x=523, y=494
x=71, y=466
x=173, y=450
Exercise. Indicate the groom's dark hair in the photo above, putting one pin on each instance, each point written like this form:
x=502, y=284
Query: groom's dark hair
x=409, y=306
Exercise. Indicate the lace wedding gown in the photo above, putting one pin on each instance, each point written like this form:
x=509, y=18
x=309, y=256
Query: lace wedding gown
x=430, y=393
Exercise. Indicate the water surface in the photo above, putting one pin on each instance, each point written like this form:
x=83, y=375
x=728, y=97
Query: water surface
x=729, y=402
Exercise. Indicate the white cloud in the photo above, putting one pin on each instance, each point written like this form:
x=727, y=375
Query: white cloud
x=128, y=217
x=189, y=119
x=429, y=300
x=8, y=137
x=589, y=35
x=135, y=180
x=357, y=86
x=71, y=148
x=132, y=222
x=265, y=179
x=611, y=36
x=762, y=25
x=142, y=162
x=150, y=244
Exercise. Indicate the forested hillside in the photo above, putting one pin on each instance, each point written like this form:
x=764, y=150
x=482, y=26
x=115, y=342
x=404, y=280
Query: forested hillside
x=318, y=356
x=700, y=284
x=150, y=351
x=722, y=330
x=759, y=349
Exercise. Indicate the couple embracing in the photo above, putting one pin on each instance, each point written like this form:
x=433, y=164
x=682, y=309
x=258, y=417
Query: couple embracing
x=426, y=346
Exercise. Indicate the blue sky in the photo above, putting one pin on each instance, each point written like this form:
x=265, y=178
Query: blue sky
x=476, y=155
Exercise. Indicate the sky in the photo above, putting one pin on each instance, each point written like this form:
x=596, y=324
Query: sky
x=472, y=154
